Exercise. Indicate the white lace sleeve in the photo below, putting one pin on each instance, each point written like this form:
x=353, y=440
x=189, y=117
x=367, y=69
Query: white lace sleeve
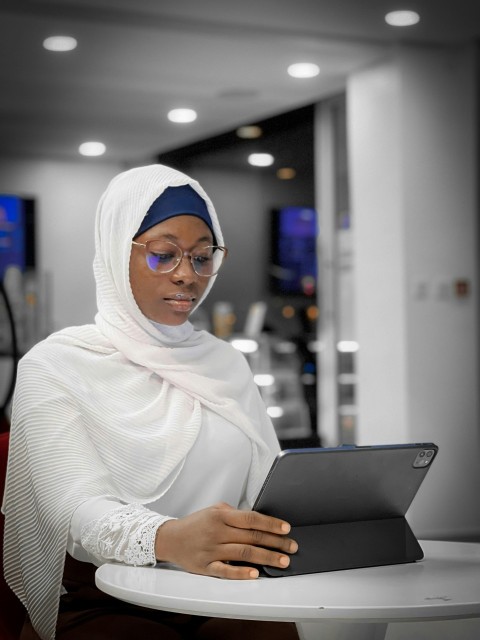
x=126, y=534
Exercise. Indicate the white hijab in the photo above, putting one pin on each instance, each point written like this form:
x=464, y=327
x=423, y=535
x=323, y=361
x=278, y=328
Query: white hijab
x=89, y=405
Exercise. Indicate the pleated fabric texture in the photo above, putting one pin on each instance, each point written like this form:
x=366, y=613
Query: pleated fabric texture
x=113, y=408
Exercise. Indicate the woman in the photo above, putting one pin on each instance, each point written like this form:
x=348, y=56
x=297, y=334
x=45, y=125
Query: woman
x=139, y=439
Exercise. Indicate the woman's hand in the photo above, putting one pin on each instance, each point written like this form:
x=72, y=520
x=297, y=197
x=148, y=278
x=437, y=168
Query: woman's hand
x=207, y=541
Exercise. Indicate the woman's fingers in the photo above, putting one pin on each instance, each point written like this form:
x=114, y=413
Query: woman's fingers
x=208, y=540
x=255, y=521
x=246, y=556
x=259, y=530
x=227, y=571
x=255, y=538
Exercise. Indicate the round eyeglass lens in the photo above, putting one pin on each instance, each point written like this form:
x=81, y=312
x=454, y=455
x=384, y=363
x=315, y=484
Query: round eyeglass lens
x=163, y=257
x=207, y=260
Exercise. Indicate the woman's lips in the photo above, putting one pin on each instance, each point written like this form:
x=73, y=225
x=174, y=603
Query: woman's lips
x=183, y=296
x=181, y=302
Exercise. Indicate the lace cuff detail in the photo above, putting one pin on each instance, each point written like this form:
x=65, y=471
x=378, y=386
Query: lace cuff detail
x=126, y=534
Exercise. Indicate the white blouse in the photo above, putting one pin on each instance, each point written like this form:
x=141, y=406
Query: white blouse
x=104, y=529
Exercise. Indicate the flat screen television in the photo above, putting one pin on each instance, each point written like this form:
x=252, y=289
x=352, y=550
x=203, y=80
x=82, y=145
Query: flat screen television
x=17, y=238
x=293, y=254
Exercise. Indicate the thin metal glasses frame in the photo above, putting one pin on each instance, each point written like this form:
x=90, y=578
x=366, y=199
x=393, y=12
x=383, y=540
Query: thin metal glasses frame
x=179, y=258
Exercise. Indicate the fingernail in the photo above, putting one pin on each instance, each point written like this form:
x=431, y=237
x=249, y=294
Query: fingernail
x=285, y=527
x=293, y=547
x=284, y=561
x=254, y=573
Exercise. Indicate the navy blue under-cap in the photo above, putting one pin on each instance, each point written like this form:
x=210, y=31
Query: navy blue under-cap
x=176, y=201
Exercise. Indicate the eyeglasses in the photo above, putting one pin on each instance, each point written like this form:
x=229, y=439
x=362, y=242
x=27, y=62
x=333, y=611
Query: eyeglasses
x=163, y=256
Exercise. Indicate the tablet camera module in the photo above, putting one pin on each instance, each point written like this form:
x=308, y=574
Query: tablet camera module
x=424, y=458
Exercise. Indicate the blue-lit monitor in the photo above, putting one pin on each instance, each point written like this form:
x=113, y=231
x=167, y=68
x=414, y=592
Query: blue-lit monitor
x=17, y=243
x=293, y=266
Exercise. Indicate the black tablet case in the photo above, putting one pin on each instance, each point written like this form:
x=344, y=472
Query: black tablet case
x=346, y=505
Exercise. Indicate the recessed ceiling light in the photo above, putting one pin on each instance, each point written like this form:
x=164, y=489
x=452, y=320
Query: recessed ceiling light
x=286, y=173
x=402, y=18
x=275, y=411
x=347, y=346
x=92, y=148
x=260, y=159
x=264, y=379
x=303, y=70
x=245, y=345
x=249, y=131
x=182, y=115
x=60, y=43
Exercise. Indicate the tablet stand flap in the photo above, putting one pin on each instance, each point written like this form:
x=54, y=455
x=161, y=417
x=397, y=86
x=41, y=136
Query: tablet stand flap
x=351, y=545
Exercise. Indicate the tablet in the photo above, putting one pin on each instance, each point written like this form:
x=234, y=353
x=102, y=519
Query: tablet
x=347, y=505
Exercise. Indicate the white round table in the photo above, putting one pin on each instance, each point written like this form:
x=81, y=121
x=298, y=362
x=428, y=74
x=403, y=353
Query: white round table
x=357, y=603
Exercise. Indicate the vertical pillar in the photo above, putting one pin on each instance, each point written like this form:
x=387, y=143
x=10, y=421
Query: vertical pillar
x=412, y=123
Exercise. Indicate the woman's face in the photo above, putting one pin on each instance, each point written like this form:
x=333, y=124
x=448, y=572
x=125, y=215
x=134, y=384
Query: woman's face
x=156, y=293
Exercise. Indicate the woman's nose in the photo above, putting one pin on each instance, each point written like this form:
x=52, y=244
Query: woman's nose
x=184, y=270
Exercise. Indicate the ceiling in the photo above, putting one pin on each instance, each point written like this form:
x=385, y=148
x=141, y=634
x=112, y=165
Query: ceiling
x=137, y=59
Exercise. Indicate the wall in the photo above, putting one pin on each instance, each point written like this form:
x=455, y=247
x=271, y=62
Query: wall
x=413, y=130
x=66, y=195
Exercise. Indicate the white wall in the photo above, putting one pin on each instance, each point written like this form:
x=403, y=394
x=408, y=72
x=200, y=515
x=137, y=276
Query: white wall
x=413, y=130
x=66, y=195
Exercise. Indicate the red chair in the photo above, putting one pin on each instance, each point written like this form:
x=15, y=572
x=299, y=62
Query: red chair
x=12, y=612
